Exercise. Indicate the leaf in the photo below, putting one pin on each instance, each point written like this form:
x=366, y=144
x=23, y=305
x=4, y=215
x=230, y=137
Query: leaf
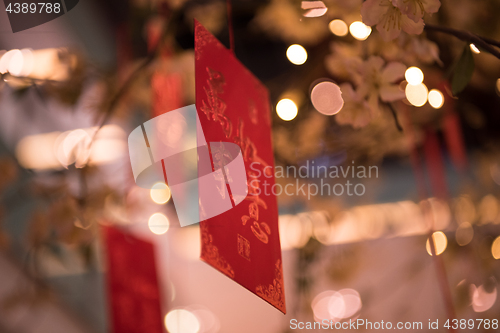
x=463, y=71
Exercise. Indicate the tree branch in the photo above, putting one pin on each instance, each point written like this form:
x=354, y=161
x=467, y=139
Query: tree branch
x=395, y=115
x=490, y=41
x=484, y=43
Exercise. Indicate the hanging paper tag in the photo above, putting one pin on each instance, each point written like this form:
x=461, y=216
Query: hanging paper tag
x=133, y=293
x=167, y=92
x=233, y=106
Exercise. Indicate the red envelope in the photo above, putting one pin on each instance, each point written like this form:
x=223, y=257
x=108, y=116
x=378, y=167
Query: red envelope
x=133, y=293
x=233, y=106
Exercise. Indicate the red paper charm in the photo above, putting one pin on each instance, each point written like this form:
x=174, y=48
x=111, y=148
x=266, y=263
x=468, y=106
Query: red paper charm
x=233, y=106
x=133, y=292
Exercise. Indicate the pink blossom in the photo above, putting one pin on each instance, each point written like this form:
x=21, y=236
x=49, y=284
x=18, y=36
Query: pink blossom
x=416, y=9
x=389, y=19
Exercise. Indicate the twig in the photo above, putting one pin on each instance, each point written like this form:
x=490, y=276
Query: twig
x=490, y=41
x=395, y=115
x=484, y=43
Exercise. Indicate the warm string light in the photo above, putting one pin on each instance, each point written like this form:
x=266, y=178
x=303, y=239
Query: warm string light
x=44, y=64
x=436, y=98
x=297, y=54
x=158, y=224
x=295, y=231
x=336, y=305
x=414, y=76
x=464, y=234
x=57, y=150
x=495, y=248
x=338, y=28
x=160, y=193
x=416, y=91
x=416, y=94
x=359, y=30
x=360, y=223
x=286, y=109
x=440, y=243
x=474, y=49
x=181, y=321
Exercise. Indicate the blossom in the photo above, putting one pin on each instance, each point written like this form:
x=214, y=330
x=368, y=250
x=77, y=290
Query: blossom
x=415, y=9
x=356, y=111
x=343, y=61
x=375, y=81
x=389, y=19
x=410, y=49
x=380, y=83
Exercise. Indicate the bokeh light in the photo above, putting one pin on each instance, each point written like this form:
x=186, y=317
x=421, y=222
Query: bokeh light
x=44, y=64
x=464, y=209
x=352, y=302
x=474, y=49
x=209, y=323
x=441, y=213
x=414, y=76
x=160, y=193
x=297, y=54
x=495, y=248
x=359, y=30
x=488, y=209
x=16, y=63
x=57, y=150
x=158, y=224
x=440, y=243
x=436, y=98
x=416, y=94
x=295, y=231
x=181, y=321
x=47, y=65
x=185, y=242
x=314, y=8
x=481, y=299
x=74, y=147
x=336, y=305
x=320, y=304
x=322, y=229
x=338, y=28
x=37, y=152
x=5, y=60
x=464, y=234
x=286, y=109
x=28, y=62
x=326, y=97
x=107, y=150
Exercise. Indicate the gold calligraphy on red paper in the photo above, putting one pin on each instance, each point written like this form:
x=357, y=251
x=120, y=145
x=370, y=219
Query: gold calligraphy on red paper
x=233, y=105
